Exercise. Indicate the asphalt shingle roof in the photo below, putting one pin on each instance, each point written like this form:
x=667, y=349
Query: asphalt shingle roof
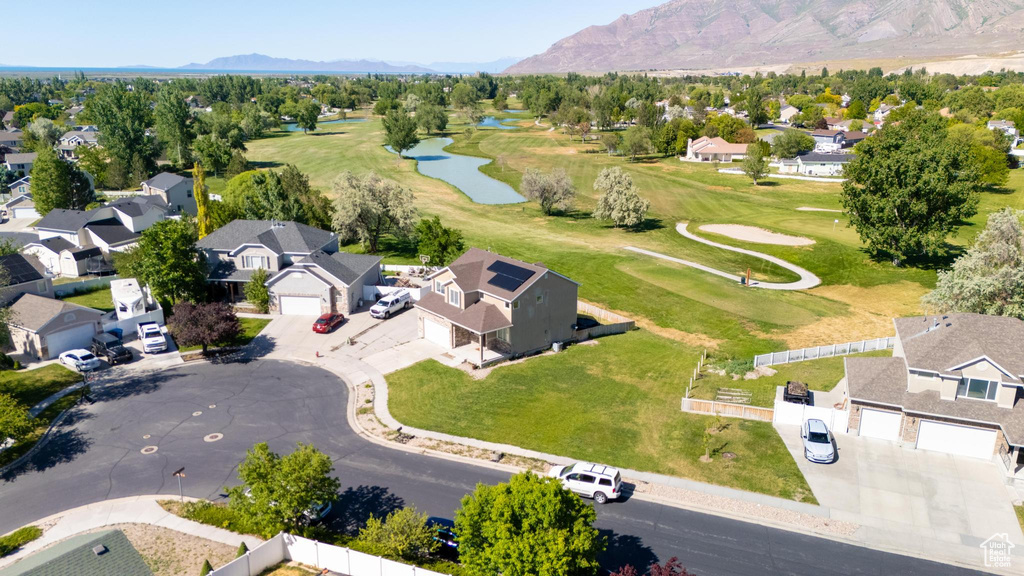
x=33, y=312
x=280, y=237
x=63, y=220
x=940, y=343
x=136, y=206
x=472, y=274
x=56, y=244
x=165, y=181
x=481, y=317
x=75, y=556
x=819, y=157
x=111, y=231
x=344, y=266
x=22, y=158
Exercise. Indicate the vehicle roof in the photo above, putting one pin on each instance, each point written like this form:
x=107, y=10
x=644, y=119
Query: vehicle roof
x=816, y=425
x=106, y=338
x=595, y=468
x=78, y=351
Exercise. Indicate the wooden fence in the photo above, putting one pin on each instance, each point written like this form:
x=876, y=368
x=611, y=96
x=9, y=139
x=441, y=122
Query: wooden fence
x=611, y=323
x=727, y=409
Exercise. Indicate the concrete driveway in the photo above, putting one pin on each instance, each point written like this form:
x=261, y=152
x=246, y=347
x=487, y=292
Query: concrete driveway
x=913, y=499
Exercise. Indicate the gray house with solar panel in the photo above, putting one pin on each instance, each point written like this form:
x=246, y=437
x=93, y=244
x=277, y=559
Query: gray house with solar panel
x=498, y=306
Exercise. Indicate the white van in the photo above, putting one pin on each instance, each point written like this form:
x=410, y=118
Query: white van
x=597, y=481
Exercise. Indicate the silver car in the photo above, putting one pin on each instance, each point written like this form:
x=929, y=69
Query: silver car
x=818, y=445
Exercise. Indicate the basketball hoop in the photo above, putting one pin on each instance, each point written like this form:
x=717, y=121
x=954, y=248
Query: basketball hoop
x=424, y=258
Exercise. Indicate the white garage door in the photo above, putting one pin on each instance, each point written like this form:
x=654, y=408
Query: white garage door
x=953, y=439
x=300, y=305
x=25, y=213
x=77, y=337
x=879, y=424
x=437, y=333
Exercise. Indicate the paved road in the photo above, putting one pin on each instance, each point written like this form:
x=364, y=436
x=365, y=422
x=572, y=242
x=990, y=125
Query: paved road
x=98, y=454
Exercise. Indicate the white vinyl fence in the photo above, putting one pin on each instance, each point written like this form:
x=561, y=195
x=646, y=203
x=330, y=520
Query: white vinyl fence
x=829, y=351
x=838, y=421
x=312, y=553
x=370, y=292
x=69, y=288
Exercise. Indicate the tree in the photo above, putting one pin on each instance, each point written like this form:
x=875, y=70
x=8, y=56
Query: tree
x=619, y=201
x=402, y=534
x=306, y=115
x=990, y=148
x=611, y=142
x=317, y=209
x=431, y=117
x=277, y=491
x=268, y=200
x=15, y=421
x=213, y=151
x=58, y=184
x=671, y=568
x=256, y=292
x=909, y=187
x=856, y=110
x=530, y=525
x=173, y=124
x=465, y=98
x=989, y=277
x=237, y=165
x=554, y=190
x=637, y=141
x=440, y=243
x=755, y=163
x=166, y=259
x=400, y=131
x=756, y=111
x=122, y=117
x=94, y=160
x=204, y=223
x=44, y=132
x=500, y=101
x=370, y=207
x=792, y=142
x=204, y=324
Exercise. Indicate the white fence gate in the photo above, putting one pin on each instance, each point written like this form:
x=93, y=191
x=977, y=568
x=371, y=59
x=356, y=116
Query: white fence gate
x=829, y=351
x=838, y=421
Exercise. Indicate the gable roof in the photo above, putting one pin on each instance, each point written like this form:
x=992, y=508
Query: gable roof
x=76, y=556
x=21, y=158
x=480, y=317
x=165, y=181
x=63, y=220
x=472, y=274
x=56, y=244
x=135, y=206
x=716, y=145
x=824, y=158
x=79, y=254
x=20, y=269
x=111, y=231
x=344, y=266
x=827, y=133
x=22, y=200
x=33, y=312
x=279, y=237
x=945, y=344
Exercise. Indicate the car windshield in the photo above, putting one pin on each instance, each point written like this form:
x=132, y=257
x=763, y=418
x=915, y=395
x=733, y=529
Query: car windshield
x=384, y=303
x=818, y=437
x=567, y=469
x=321, y=320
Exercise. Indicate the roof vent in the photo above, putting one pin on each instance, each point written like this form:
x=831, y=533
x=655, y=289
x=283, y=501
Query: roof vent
x=99, y=550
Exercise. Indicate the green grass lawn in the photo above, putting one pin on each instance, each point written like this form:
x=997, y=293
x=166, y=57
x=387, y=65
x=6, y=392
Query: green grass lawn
x=29, y=387
x=1020, y=515
x=98, y=299
x=251, y=328
x=599, y=403
x=42, y=424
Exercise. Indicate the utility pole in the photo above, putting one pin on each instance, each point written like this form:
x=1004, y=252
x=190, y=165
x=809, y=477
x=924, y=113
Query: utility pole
x=179, y=474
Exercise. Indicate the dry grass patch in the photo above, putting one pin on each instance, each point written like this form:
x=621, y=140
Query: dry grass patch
x=172, y=553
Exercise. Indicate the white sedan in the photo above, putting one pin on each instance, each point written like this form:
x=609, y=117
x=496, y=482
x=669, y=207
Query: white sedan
x=81, y=360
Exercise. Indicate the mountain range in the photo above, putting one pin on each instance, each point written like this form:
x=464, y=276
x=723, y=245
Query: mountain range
x=705, y=34
x=261, y=62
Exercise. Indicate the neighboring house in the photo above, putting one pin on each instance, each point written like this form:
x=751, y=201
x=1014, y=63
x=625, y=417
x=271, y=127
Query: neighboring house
x=25, y=275
x=8, y=118
x=92, y=554
x=706, y=149
x=20, y=187
x=828, y=138
x=1006, y=127
x=113, y=227
x=322, y=282
x=239, y=248
x=44, y=327
x=881, y=113
x=851, y=139
x=68, y=145
x=74, y=111
x=837, y=123
x=48, y=252
x=787, y=112
x=953, y=384
x=815, y=164
x=175, y=190
x=20, y=162
x=21, y=206
x=500, y=304
x=12, y=139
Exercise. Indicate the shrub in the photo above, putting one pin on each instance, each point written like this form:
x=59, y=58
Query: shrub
x=15, y=540
x=242, y=549
x=206, y=569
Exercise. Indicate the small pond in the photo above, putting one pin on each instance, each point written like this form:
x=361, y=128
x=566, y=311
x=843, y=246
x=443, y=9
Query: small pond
x=492, y=122
x=293, y=127
x=511, y=111
x=462, y=172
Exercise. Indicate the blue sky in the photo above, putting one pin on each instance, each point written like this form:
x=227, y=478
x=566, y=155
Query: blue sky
x=160, y=33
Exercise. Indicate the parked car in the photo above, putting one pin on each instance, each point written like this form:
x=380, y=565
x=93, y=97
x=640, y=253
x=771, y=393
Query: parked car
x=597, y=481
x=444, y=535
x=152, y=337
x=818, y=445
x=80, y=359
x=327, y=323
x=110, y=348
x=390, y=304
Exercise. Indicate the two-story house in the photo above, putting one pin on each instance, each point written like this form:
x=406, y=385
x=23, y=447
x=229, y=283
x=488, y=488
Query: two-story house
x=953, y=384
x=499, y=304
x=68, y=145
x=174, y=189
x=307, y=274
x=881, y=113
x=828, y=140
x=11, y=140
x=21, y=162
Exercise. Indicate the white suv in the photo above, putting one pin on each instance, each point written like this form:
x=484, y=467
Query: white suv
x=597, y=481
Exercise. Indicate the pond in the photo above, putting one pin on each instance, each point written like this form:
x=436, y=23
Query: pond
x=511, y=111
x=293, y=127
x=462, y=172
x=492, y=122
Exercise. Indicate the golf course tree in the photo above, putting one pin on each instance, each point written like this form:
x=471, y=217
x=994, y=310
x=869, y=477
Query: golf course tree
x=637, y=141
x=792, y=142
x=400, y=131
x=620, y=201
x=440, y=243
x=755, y=162
x=757, y=113
x=530, y=525
x=306, y=114
x=404, y=534
x=57, y=183
x=910, y=187
x=277, y=491
x=989, y=277
x=204, y=324
x=368, y=208
x=167, y=260
x=432, y=118
x=15, y=421
x=552, y=191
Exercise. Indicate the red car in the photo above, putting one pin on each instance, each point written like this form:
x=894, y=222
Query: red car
x=327, y=322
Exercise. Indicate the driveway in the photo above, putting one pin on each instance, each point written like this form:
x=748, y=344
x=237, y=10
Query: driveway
x=911, y=498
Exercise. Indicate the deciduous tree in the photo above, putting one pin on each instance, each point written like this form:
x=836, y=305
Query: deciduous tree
x=15, y=421
x=167, y=260
x=57, y=183
x=204, y=223
x=173, y=124
x=403, y=534
x=213, y=151
x=432, y=117
x=256, y=292
x=44, y=133
x=204, y=324
x=792, y=142
x=400, y=131
x=637, y=141
x=551, y=191
x=619, y=201
x=306, y=115
x=440, y=243
x=755, y=163
x=122, y=117
x=370, y=207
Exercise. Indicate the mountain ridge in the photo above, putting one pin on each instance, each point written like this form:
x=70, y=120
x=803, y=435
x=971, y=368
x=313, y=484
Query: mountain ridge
x=262, y=62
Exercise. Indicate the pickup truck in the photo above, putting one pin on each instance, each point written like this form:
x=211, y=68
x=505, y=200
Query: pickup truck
x=152, y=338
x=390, y=304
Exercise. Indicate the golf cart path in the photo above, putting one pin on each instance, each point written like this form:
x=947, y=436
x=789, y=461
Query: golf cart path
x=807, y=278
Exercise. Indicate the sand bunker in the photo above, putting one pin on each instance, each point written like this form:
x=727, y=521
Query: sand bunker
x=809, y=209
x=754, y=234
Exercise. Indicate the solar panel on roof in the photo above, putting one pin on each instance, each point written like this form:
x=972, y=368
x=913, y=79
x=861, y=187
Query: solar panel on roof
x=505, y=282
x=19, y=269
x=506, y=269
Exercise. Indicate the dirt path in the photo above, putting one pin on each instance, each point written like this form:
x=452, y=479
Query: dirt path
x=755, y=234
x=807, y=278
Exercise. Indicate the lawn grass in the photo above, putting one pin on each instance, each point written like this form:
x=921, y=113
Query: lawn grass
x=99, y=299
x=598, y=403
x=1019, y=509
x=29, y=387
x=15, y=540
x=251, y=328
x=42, y=424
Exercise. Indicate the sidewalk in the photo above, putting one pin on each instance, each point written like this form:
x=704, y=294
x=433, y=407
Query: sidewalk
x=131, y=510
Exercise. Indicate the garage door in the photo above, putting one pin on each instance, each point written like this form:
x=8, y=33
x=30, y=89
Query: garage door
x=69, y=339
x=300, y=305
x=25, y=213
x=959, y=440
x=879, y=424
x=437, y=333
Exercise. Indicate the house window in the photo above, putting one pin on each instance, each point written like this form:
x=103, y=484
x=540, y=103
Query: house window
x=540, y=298
x=515, y=305
x=977, y=389
x=438, y=287
x=502, y=335
x=453, y=297
x=254, y=262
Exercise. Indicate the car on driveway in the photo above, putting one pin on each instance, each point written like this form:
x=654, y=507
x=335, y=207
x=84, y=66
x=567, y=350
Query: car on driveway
x=390, y=304
x=818, y=445
x=110, y=347
x=597, y=481
x=81, y=360
x=327, y=323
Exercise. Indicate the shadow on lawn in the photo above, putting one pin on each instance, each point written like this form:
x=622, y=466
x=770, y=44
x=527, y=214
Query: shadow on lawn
x=64, y=445
x=624, y=549
x=355, y=505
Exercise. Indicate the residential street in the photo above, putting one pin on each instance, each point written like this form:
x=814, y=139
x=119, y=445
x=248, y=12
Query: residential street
x=98, y=454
